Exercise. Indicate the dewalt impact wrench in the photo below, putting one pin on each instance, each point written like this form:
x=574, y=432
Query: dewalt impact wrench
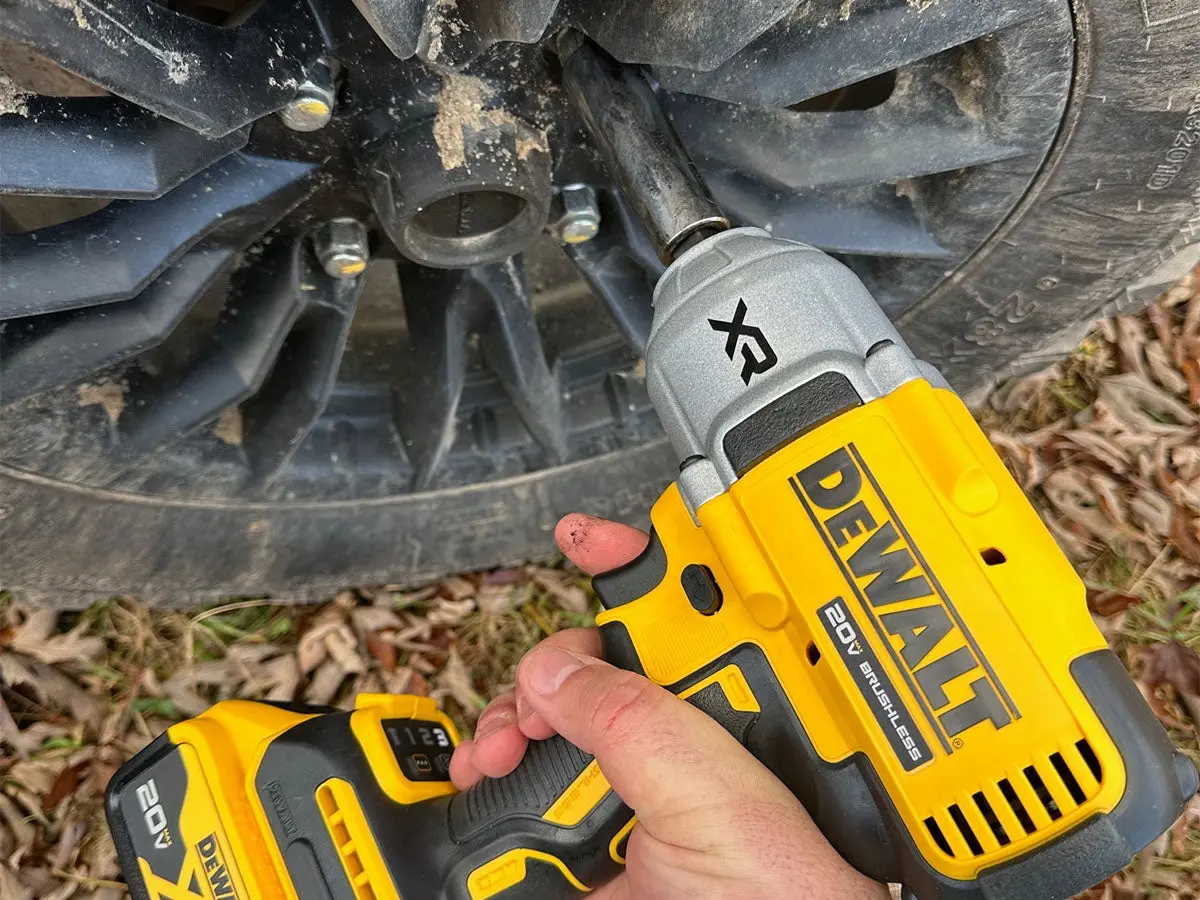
x=844, y=575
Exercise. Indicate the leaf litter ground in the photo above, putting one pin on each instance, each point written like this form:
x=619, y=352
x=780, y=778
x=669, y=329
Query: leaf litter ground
x=1107, y=443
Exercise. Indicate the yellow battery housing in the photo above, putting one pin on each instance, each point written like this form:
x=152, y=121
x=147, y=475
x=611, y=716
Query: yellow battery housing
x=191, y=818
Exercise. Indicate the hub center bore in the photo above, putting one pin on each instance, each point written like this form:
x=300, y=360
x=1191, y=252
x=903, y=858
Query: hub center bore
x=469, y=214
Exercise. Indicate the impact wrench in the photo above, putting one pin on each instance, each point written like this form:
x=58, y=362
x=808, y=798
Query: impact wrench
x=843, y=575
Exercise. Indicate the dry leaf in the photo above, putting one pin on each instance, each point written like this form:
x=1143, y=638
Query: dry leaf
x=455, y=679
x=1069, y=492
x=421, y=664
x=34, y=630
x=383, y=651
x=310, y=649
x=250, y=654
x=368, y=619
x=66, y=889
x=1191, y=374
x=1141, y=405
x=1109, y=602
x=569, y=597
x=38, y=733
x=1189, y=818
x=1153, y=510
x=1163, y=370
x=505, y=576
x=37, y=775
x=1161, y=321
x=324, y=684
x=22, y=831
x=52, y=687
x=1104, y=451
x=11, y=887
x=72, y=833
x=402, y=599
x=457, y=588
x=66, y=783
x=1175, y=664
x=494, y=599
x=343, y=648
x=73, y=647
x=277, y=680
x=9, y=732
x=1184, y=533
x=182, y=694
x=450, y=612
x=405, y=680
x=1130, y=340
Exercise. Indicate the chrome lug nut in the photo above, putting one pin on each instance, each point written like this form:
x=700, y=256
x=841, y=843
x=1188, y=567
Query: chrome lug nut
x=312, y=107
x=574, y=215
x=342, y=248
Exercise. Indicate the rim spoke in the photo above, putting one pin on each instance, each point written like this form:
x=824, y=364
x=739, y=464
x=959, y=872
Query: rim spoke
x=513, y=349
x=872, y=221
x=438, y=308
x=101, y=147
x=443, y=308
x=281, y=415
x=260, y=311
x=696, y=34
x=46, y=352
x=807, y=56
x=452, y=34
x=616, y=276
x=889, y=142
x=210, y=78
x=113, y=254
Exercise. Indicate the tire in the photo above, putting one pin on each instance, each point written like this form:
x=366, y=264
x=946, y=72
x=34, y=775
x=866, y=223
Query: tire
x=1117, y=196
x=1108, y=207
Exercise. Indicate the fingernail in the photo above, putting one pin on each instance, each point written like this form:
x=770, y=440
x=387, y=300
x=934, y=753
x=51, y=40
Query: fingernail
x=492, y=723
x=547, y=669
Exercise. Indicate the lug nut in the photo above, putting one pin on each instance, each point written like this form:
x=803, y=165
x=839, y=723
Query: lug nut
x=341, y=247
x=574, y=215
x=312, y=107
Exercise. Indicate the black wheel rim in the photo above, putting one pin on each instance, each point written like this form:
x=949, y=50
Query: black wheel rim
x=185, y=341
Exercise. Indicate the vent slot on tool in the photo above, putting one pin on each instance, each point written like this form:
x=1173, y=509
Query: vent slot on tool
x=964, y=828
x=1043, y=793
x=989, y=816
x=1089, y=758
x=935, y=832
x=1018, y=807
x=349, y=830
x=1068, y=778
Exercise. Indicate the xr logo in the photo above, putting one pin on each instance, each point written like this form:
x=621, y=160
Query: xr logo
x=738, y=329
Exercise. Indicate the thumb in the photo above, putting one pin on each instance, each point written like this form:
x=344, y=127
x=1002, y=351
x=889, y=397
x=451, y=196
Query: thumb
x=665, y=758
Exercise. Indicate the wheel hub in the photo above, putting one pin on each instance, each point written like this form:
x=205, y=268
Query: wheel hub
x=451, y=194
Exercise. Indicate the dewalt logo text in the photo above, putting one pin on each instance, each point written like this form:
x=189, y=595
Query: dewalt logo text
x=926, y=638
x=215, y=869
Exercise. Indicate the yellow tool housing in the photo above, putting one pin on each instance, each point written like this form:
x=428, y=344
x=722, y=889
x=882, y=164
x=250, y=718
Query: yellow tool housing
x=914, y=505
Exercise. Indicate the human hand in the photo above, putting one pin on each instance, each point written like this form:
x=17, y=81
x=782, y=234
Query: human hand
x=712, y=820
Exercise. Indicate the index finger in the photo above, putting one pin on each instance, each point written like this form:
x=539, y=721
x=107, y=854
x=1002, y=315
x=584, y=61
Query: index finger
x=597, y=545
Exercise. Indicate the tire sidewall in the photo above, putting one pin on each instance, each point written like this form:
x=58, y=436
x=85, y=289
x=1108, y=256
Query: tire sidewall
x=1119, y=194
